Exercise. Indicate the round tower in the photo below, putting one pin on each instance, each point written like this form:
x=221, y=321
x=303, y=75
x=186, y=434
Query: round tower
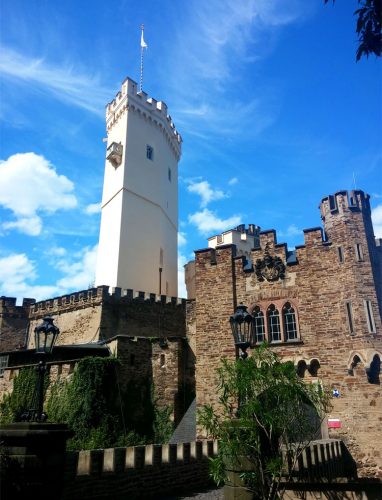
x=139, y=219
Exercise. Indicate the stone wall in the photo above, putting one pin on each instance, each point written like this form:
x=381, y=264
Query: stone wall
x=13, y=323
x=318, y=284
x=138, y=472
x=97, y=315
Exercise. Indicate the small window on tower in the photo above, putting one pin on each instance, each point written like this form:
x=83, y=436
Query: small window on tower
x=169, y=174
x=359, y=252
x=149, y=152
x=349, y=313
x=369, y=316
x=340, y=254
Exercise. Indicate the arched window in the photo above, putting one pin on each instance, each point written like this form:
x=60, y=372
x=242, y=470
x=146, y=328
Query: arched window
x=258, y=325
x=274, y=329
x=374, y=370
x=290, y=324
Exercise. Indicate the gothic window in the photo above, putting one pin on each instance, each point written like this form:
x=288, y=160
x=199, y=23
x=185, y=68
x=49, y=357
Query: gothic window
x=290, y=325
x=301, y=368
x=258, y=325
x=149, y=152
x=169, y=174
x=274, y=329
x=374, y=370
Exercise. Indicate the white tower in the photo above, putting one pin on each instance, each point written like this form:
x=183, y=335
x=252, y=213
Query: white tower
x=139, y=220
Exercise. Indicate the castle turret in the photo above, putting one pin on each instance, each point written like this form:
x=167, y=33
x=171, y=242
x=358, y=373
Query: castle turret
x=347, y=222
x=139, y=222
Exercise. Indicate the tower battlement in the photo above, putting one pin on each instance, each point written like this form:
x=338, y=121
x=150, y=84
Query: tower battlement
x=130, y=97
x=97, y=295
x=342, y=201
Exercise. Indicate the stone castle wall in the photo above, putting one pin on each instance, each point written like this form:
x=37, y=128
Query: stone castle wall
x=145, y=331
x=318, y=285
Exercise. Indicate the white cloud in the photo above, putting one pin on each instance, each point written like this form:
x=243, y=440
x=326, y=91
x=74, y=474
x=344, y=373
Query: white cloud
x=14, y=268
x=292, y=230
x=18, y=274
x=30, y=184
x=31, y=226
x=93, y=208
x=216, y=40
x=181, y=239
x=182, y=290
x=233, y=181
x=61, y=80
x=56, y=251
x=80, y=273
x=376, y=217
x=207, y=194
x=208, y=222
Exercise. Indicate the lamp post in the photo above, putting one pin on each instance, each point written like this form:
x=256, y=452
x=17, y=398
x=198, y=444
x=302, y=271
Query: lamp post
x=45, y=338
x=242, y=331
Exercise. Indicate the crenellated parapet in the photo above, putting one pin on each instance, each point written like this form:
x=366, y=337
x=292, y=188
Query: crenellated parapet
x=129, y=98
x=339, y=202
x=97, y=296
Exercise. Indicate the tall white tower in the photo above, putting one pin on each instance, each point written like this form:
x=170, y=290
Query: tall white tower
x=139, y=219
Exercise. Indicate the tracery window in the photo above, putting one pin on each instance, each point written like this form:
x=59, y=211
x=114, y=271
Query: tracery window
x=258, y=325
x=290, y=324
x=274, y=329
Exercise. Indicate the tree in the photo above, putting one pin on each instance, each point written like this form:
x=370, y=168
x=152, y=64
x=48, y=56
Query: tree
x=268, y=415
x=369, y=28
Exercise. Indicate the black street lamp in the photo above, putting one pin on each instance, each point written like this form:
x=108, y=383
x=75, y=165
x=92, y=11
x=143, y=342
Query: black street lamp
x=242, y=331
x=45, y=338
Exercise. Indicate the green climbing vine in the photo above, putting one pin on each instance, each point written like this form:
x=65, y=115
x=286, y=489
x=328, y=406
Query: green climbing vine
x=14, y=404
x=91, y=403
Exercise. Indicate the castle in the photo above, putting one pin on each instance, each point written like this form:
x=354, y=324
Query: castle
x=318, y=305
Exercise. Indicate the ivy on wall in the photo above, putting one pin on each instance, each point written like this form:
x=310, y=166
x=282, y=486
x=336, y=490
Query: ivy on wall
x=93, y=406
x=14, y=404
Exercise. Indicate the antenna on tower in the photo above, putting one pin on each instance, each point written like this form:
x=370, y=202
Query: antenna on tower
x=143, y=47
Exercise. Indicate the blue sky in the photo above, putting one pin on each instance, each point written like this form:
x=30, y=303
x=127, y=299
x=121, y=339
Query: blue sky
x=273, y=110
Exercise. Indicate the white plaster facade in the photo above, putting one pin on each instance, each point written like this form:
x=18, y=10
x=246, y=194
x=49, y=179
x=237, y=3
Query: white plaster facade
x=244, y=238
x=139, y=219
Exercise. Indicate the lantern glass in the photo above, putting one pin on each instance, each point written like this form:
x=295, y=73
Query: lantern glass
x=45, y=336
x=241, y=325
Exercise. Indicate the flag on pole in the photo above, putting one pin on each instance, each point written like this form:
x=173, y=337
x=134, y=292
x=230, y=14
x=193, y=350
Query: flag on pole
x=143, y=43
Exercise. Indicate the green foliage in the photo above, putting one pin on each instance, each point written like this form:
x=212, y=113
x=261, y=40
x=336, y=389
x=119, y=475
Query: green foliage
x=368, y=28
x=267, y=417
x=89, y=404
x=163, y=426
x=93, y=407
x=14, y=404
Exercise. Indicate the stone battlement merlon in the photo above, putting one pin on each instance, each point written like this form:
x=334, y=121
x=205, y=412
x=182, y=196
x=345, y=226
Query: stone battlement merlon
x=98, y=295
x=129, y=91
x=12, y=302
x=340, y=201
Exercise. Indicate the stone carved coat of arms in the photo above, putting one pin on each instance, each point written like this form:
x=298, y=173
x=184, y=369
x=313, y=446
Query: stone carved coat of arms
x=269, y=268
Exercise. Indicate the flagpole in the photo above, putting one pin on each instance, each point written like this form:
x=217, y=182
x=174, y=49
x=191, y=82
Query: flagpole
x=142, y=47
